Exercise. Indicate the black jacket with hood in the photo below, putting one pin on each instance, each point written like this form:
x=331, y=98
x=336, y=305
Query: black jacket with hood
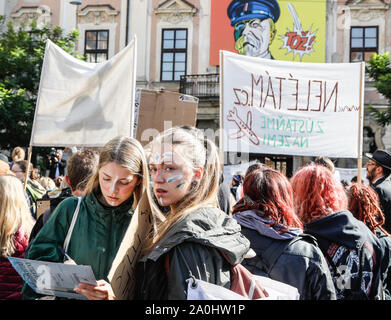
x=291, y=257
x=342, y=239
x=196, y=242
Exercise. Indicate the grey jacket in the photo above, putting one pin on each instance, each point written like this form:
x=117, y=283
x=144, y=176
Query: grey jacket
x=195, y=245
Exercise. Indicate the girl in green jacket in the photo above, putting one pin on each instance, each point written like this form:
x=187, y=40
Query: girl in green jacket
x=196, y=238
x=112, y=195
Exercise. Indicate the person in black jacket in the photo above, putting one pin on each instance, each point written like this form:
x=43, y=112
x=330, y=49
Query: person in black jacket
x=364, y=204
x=378, y=174
x=56, y=164
x=353, y=252
x=224, y=196
x=283, y=253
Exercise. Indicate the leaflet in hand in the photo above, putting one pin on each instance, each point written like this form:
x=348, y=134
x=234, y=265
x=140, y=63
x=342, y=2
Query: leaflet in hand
x=50, y=278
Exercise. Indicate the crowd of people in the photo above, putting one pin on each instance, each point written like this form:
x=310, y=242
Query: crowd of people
x=309, y=231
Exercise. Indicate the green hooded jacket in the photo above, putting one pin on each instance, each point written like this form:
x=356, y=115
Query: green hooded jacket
x=95, y=240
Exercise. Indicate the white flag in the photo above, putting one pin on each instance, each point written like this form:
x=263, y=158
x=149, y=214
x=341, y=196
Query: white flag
x=81, y=103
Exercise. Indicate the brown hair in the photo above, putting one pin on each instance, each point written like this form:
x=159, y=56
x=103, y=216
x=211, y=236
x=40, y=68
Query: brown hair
x=270, y=192
x=81, y=166
x=128, y=153
x=364, y=204
x=23, y=166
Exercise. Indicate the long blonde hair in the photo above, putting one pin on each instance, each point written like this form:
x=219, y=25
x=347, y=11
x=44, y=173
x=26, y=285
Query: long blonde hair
x=200, y=152
x=14, y=213
x=128, y=153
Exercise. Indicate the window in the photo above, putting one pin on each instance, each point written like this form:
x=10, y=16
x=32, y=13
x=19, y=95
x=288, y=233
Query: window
x=363, y=43
x=97, y=45
x=174, y=54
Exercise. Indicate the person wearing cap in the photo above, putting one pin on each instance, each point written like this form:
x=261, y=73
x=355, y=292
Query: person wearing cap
x=378, y=174
x=254, y=25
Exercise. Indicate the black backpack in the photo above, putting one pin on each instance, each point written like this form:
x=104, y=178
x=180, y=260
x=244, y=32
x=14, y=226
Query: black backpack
x=356, y=293
x=65, y=193
x=273, y=253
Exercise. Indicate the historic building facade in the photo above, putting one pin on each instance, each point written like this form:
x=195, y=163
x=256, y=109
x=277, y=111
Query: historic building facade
x=177, y=39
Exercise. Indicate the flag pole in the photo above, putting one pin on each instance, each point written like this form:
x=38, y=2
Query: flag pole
x=221, y=137
x=30, y=150
x=360, y=123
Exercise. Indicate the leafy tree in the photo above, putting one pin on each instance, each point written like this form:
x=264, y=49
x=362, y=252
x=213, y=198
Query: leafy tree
x=21, y=57
x=379, y=69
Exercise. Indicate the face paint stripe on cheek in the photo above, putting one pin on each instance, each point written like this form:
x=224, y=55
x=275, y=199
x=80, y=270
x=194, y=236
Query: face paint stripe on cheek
x=180, y=185
x=174, y=178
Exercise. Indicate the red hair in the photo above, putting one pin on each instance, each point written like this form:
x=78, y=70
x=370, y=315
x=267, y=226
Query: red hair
x=269, y=191
x=364, y=204
x=317, y=193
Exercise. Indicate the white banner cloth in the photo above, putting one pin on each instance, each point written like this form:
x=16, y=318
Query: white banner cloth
x=208, y=291
x=292, y=108
x=81, y=103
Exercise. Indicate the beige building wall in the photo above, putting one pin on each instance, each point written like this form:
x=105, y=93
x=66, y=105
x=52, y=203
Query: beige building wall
x=146, y=19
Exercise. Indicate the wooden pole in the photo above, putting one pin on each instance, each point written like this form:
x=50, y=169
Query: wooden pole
x=360, y=123
x=221, y=137
x=30, y=150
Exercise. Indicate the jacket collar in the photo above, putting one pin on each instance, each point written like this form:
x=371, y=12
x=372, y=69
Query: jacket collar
x=119, y=212
x=339, y=227
x=207, y=226
x=380, y=180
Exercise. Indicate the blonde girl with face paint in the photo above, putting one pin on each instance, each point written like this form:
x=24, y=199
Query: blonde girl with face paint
x=196, y=238
x=112, y=194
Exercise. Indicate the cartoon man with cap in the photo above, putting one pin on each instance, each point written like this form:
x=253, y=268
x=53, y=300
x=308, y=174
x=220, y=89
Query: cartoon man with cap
x=378, y=174
x=254, y=25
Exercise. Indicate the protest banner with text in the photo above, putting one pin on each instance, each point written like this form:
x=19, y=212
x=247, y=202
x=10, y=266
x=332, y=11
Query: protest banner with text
x=292, y=108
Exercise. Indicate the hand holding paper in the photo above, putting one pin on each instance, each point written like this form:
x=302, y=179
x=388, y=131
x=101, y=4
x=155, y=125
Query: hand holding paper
x=102, y=291
x=54, y=279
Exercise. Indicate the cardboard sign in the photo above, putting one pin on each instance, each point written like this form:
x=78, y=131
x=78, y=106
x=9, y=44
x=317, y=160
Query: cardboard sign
x=122, y=272
x=156, y=111
x=42, y=206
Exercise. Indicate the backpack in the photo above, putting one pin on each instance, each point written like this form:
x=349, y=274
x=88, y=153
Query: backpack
x=274, y=252
x=44, y=217
x=352, y=294
x=243, y=281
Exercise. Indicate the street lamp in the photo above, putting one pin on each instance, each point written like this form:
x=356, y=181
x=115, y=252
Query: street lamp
x=75, y=2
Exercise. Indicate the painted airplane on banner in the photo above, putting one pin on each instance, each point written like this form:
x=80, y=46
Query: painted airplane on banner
x=245, y=128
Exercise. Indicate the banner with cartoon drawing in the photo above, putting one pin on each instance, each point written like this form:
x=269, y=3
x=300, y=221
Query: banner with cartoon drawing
x=291, y=108
x=291, y=30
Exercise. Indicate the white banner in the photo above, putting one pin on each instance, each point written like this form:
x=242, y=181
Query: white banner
x=293, y=108
x=81, y=103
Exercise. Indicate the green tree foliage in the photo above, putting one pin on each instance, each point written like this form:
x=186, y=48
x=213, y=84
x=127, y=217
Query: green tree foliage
x=379, y=69
x=21, y=57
